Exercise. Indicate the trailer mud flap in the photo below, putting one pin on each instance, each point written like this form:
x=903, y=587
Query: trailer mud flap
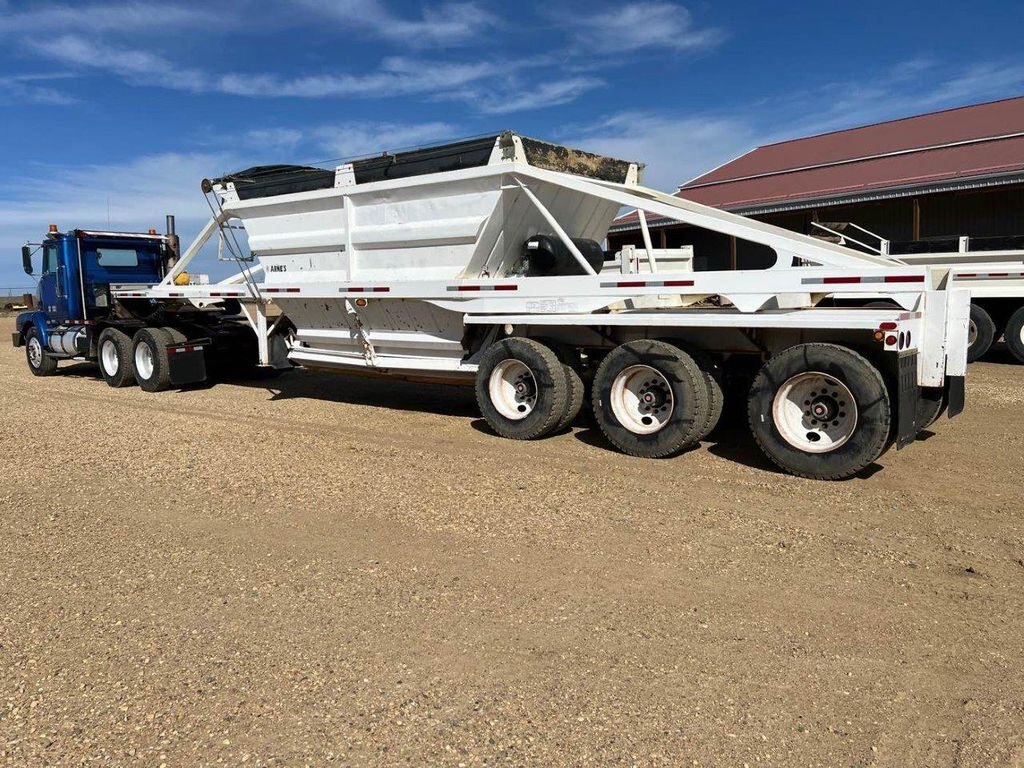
x=186, y=363
x=955, y=395
x=908, y=394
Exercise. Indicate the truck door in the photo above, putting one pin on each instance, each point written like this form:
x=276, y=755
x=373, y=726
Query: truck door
x=51, y=284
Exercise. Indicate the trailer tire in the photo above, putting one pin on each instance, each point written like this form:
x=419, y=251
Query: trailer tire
x=149, y=359
x=931, y=402
x=982, y=333
x=801, y=385
x=575, y=388
x=650, y=399
x=1015, y=335
x=114, y=355
x=40, y=362
x=712, y=373
x=521, y=388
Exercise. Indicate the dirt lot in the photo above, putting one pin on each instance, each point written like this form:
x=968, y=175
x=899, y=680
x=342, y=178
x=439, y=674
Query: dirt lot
x=329, y=569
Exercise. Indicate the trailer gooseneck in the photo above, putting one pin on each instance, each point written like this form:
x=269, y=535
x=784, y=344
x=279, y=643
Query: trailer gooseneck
x=480, y=261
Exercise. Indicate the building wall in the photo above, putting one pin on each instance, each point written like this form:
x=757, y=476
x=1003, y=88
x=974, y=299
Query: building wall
x=993, y=212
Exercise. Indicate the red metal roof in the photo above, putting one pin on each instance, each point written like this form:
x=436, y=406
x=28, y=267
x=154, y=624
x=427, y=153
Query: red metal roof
x=956, y=144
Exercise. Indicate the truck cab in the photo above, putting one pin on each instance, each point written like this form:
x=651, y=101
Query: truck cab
x=77, y=269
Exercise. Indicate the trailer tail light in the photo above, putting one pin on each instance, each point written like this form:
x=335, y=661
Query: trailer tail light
x=890, y=340
x=888, y=326
x=879, y=335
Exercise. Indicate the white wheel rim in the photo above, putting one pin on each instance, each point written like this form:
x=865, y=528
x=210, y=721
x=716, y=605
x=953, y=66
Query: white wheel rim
x=641, y=399
x=35, y=352
x=972, y=333
x=108, y=358
x=512, y=389
x=815, y=412
x=143, y=360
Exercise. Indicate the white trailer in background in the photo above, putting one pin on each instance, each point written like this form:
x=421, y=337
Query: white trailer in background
x=480, y=261
x=993, y=276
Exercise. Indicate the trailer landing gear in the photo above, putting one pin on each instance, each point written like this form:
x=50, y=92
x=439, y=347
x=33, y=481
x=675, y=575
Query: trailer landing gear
x=820, y=411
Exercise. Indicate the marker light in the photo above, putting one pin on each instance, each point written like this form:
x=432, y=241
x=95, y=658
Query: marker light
x=53, y=229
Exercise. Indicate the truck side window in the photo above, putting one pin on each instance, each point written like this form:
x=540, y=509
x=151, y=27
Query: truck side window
x=117, y=257
x=49, y=259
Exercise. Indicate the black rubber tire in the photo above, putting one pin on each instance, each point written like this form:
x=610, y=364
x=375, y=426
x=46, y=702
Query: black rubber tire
x=1014, y=335
x=931, y=402
x=124, y=376
x=157, y=340
x=689, y=393
x=576, y=392
x=712, y=373
x=552, y=395
x=986, y=333
x=874, y=413
x=576, y=389
x=47, y=365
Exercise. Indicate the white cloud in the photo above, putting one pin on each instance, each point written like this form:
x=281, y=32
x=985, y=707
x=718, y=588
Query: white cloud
x=28, y=88
x=675, y=149
x=538, y=95
x=354, y=139
x=446, y=24
x=104, y=17
x=635, y=26
x=396, y=76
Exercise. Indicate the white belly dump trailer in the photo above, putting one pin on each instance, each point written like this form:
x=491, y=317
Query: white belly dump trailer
x=480, y=261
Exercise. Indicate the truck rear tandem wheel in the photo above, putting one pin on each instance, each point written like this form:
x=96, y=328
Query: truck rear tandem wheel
x=150, y=362
x=114, y=356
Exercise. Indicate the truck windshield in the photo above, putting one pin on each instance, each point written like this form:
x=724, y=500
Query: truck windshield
x=117, y=257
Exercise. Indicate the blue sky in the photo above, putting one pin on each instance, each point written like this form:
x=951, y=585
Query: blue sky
x=114, y=111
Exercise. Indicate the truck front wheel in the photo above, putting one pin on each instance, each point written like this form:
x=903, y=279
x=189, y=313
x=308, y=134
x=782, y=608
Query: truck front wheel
x=115, y=358
x=149, y=359
x=820, y=411
x=39, y=360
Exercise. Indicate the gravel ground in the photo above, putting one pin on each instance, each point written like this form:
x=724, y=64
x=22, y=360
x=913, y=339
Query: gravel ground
x=326, y=569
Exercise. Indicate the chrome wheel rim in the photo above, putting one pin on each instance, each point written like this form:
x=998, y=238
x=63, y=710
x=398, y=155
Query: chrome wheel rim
x=814, y=412
x=641, y=399
x=972, y=333
x=512, y=389
x=143, y=361
x=35, y=352
x=108, y=358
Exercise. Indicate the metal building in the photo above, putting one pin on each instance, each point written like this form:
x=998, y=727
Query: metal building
x=929, y=178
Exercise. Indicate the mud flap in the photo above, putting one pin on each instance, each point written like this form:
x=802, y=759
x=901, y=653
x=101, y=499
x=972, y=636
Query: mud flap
x=955, y=395
x=186, y=362
x=908, y=394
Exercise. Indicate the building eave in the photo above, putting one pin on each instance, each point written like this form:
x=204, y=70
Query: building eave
x=885, y=193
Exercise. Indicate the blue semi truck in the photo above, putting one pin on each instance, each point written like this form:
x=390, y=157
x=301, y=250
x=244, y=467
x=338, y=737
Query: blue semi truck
x=155, y=344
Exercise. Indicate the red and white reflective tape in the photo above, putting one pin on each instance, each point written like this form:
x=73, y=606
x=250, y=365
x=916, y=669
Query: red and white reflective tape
x=365, y=289
x=226, y=293
x=78, y=322
x=478, y=287
x=185, y=348
x=910, y=315
x=282, y=290
x=988, y=275
x=132, y=295
x=648, y=284
x=855, y=280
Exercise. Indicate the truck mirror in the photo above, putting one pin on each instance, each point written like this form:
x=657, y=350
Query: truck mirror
x=26, y=258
